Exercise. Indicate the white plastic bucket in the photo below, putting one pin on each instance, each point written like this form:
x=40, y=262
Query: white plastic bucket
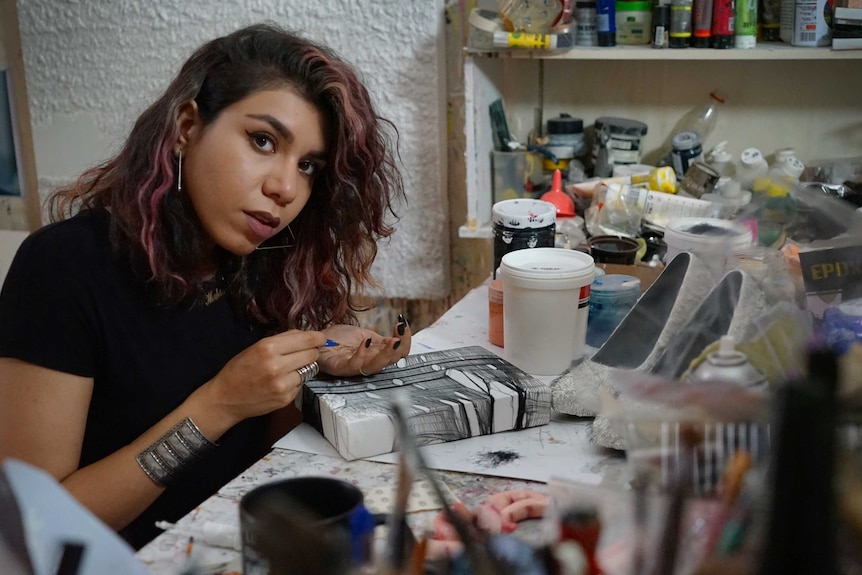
x=546, y=299
x=713, y=240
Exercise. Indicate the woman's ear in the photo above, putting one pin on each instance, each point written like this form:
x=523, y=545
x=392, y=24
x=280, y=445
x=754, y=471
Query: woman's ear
x=187, y=124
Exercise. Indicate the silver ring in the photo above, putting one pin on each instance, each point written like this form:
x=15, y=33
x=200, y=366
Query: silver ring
x=308, y=372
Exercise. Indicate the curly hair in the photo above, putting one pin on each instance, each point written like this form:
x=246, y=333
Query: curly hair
x=155, y=226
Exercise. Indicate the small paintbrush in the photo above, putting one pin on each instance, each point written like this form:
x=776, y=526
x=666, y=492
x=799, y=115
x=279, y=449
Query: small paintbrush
x=480, y=559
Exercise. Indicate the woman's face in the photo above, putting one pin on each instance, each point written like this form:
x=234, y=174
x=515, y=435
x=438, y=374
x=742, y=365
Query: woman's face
x=250, y=172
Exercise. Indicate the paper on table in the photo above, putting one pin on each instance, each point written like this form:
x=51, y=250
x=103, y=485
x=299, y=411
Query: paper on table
x=561, y=448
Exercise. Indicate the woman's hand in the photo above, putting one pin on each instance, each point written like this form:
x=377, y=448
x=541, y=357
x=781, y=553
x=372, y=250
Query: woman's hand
x=264, y=376
x=361, y=351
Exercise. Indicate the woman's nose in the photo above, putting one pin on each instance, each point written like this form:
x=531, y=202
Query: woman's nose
x=281, y=185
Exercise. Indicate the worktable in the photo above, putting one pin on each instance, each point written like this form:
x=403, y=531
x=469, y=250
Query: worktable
x=560, y=449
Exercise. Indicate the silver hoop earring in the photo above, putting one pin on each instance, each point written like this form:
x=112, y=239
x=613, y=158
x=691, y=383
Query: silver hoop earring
x=280, y=246
x=180, y=171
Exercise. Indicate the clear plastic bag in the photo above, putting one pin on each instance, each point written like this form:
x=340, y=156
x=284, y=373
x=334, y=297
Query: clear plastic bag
x=532, y=16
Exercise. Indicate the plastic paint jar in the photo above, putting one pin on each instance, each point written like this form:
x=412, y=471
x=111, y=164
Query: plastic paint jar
x=522, y=224
x=713, y=239
x=564, y=130
x=634, y=22
x=612, y=296
x=686, y=150
x=617, y=142
x=547, y=308
x=495, y=312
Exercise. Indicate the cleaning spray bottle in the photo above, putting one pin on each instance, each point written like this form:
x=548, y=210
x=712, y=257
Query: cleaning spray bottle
x=728, y=364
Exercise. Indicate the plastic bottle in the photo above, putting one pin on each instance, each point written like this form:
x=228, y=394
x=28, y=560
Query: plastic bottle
x=606, y=22
x=786, y=165
x=701, y=120
x=752, y=166
x=658, y=179
x=721, y=160
x=722, y=24
x=586, y=28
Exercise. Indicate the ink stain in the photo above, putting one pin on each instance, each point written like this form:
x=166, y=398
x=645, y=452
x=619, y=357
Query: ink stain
x=496, y=458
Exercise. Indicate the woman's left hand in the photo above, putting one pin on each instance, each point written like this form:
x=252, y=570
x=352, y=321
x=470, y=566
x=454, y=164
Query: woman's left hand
x=362, y=351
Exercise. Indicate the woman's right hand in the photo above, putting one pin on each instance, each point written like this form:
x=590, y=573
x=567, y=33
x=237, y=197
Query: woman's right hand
x=263, y=377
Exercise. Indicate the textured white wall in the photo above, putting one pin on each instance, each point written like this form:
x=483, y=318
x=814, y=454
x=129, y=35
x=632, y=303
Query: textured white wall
x=92, y=66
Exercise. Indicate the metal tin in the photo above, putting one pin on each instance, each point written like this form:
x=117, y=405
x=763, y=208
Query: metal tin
x=700, y=179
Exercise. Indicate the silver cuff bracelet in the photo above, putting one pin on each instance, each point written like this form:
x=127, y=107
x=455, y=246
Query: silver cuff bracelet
x=182, y=445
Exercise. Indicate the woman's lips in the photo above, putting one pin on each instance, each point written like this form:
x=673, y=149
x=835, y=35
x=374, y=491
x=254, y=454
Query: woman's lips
x=262, y=224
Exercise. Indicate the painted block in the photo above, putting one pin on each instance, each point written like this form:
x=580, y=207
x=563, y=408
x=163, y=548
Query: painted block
x=455, y=394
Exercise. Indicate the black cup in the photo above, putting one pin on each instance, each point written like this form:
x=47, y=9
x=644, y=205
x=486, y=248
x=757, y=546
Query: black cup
x=613, y=249
x=305, y=526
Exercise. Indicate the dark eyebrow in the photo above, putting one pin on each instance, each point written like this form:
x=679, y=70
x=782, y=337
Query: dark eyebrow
x=283, y=131
x=276, y=124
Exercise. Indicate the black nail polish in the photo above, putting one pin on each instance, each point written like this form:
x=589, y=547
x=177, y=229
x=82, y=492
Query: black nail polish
x=401, y=318
x=401, y=327
x=397, y=344
x=368, y=342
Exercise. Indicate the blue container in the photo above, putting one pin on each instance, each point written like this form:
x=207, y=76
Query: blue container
x=612, y=296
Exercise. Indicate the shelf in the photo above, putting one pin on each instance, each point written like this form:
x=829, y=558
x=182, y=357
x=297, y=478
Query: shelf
x=764, y=51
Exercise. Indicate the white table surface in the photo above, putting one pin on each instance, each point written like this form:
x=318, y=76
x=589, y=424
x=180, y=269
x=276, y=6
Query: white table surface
x=561, y=449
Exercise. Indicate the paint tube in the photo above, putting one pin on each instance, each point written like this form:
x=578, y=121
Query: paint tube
x=702, y=29
x=745, y=24
x=722, y=23
x=680, y=23
x=532, y=41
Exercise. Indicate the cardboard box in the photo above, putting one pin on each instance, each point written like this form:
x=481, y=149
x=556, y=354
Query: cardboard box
x=642, y=271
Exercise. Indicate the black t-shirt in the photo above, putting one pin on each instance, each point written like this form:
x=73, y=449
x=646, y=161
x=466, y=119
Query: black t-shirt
x=68, y=304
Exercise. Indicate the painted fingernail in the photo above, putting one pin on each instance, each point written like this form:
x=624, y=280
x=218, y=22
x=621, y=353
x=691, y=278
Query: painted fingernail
x=330, y=343
x=368, y=342
x=397, y=344
x=401, y=327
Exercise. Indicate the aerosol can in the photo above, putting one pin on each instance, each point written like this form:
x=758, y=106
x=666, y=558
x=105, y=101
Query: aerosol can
x=730, y=365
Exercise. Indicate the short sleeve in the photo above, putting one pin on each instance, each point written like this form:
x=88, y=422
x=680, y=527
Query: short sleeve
x=47, y=304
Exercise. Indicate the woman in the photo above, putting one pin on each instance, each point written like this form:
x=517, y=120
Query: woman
x=197, y=279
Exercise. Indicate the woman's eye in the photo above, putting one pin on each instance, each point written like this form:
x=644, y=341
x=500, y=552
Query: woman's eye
x=263, y=142
x=308, y=168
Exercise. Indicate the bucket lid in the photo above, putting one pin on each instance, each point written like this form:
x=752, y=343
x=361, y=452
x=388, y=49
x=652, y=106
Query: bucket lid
x=615, y=284
x=685, y=140
x=565, y=124
x=524, y=213
x=622, y=126
x=548, y=264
